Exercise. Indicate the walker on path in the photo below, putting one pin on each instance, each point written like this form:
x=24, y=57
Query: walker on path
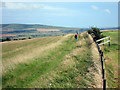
x=76, y=36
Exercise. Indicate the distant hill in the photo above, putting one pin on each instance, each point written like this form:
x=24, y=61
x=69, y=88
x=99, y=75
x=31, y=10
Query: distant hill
x=25, y=31
x=35, y=26
x=17, y=31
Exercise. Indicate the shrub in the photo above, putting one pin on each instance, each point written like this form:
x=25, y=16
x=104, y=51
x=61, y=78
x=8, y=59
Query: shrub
x=29, y=38
x=15, y=39
x=22, y=38
x=96, y=32
x=6, y=39
x=90, y=31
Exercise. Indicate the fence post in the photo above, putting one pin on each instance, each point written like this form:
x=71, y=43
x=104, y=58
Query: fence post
x=103, y=41
x=109, y=42
x=103, y=73
x=104, y=84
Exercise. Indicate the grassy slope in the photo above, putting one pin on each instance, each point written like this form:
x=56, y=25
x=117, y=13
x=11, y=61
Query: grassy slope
x=111, y=56
x=28, y=30
x=49, y=62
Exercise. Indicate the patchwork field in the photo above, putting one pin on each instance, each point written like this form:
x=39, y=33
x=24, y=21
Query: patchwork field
x=56, y=62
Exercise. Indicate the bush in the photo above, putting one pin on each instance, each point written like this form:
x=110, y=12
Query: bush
x=96, y=32
x=22, y=38
x=6, y=39
x=90, y=31
x=29, y=38
x=15, y=39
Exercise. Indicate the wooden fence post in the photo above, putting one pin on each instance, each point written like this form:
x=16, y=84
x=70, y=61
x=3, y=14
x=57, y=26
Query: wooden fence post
x=109, y=42
x=103, y=41
x=104, y=84
x=103, y=73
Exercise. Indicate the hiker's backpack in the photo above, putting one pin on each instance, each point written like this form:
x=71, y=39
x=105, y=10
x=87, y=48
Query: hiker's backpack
x=75, y=35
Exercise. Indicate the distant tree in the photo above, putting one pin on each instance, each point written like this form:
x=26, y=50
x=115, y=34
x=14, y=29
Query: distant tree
x=8, y=39
x=29, y=38
x=23, y=38
x=96, y=32
x=15, y=39
x=3, y=39
x=90, y=31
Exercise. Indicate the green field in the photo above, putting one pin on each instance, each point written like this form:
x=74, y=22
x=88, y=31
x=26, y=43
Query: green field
x=51, y=62
x=111, y=59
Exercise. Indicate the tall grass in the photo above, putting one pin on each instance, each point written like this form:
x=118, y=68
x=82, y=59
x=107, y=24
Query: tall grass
x=111, y=57
x=24, y=73
x=66, y=65
x=73, y=71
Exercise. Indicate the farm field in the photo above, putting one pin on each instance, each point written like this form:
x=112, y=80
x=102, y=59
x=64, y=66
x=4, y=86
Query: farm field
x=111, y=59
x=51, y=62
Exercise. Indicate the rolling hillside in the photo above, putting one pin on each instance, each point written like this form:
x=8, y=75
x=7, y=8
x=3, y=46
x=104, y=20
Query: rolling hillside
x=28, y=31
x=18, y=31
x=51, y=62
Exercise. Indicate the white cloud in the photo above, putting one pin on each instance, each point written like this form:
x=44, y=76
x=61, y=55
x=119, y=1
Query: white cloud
x=95, y=7
x=27, y=6
x=107, y=11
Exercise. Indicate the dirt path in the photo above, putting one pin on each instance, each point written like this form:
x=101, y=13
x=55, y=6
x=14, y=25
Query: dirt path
x=97, y=63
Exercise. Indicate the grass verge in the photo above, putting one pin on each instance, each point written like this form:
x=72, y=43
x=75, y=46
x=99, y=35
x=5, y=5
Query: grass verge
x=111, y=59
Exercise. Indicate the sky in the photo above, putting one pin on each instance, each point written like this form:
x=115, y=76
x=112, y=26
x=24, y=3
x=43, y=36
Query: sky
x=67, y=14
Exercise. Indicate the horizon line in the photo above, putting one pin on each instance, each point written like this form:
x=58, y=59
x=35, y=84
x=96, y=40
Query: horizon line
x=60, y=25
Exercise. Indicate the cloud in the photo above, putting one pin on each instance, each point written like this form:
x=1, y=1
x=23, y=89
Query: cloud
x=95, y=7
x=107, y=11
x=26, y=6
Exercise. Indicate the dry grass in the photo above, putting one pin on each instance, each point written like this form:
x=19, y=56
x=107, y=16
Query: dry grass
x=57, y=62
x=69, y=63
x=30, y=52
x=97, y=64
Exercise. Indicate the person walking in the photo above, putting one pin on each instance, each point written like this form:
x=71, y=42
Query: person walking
x=76, y=36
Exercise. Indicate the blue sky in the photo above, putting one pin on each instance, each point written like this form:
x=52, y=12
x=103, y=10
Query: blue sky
x=69, y=14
